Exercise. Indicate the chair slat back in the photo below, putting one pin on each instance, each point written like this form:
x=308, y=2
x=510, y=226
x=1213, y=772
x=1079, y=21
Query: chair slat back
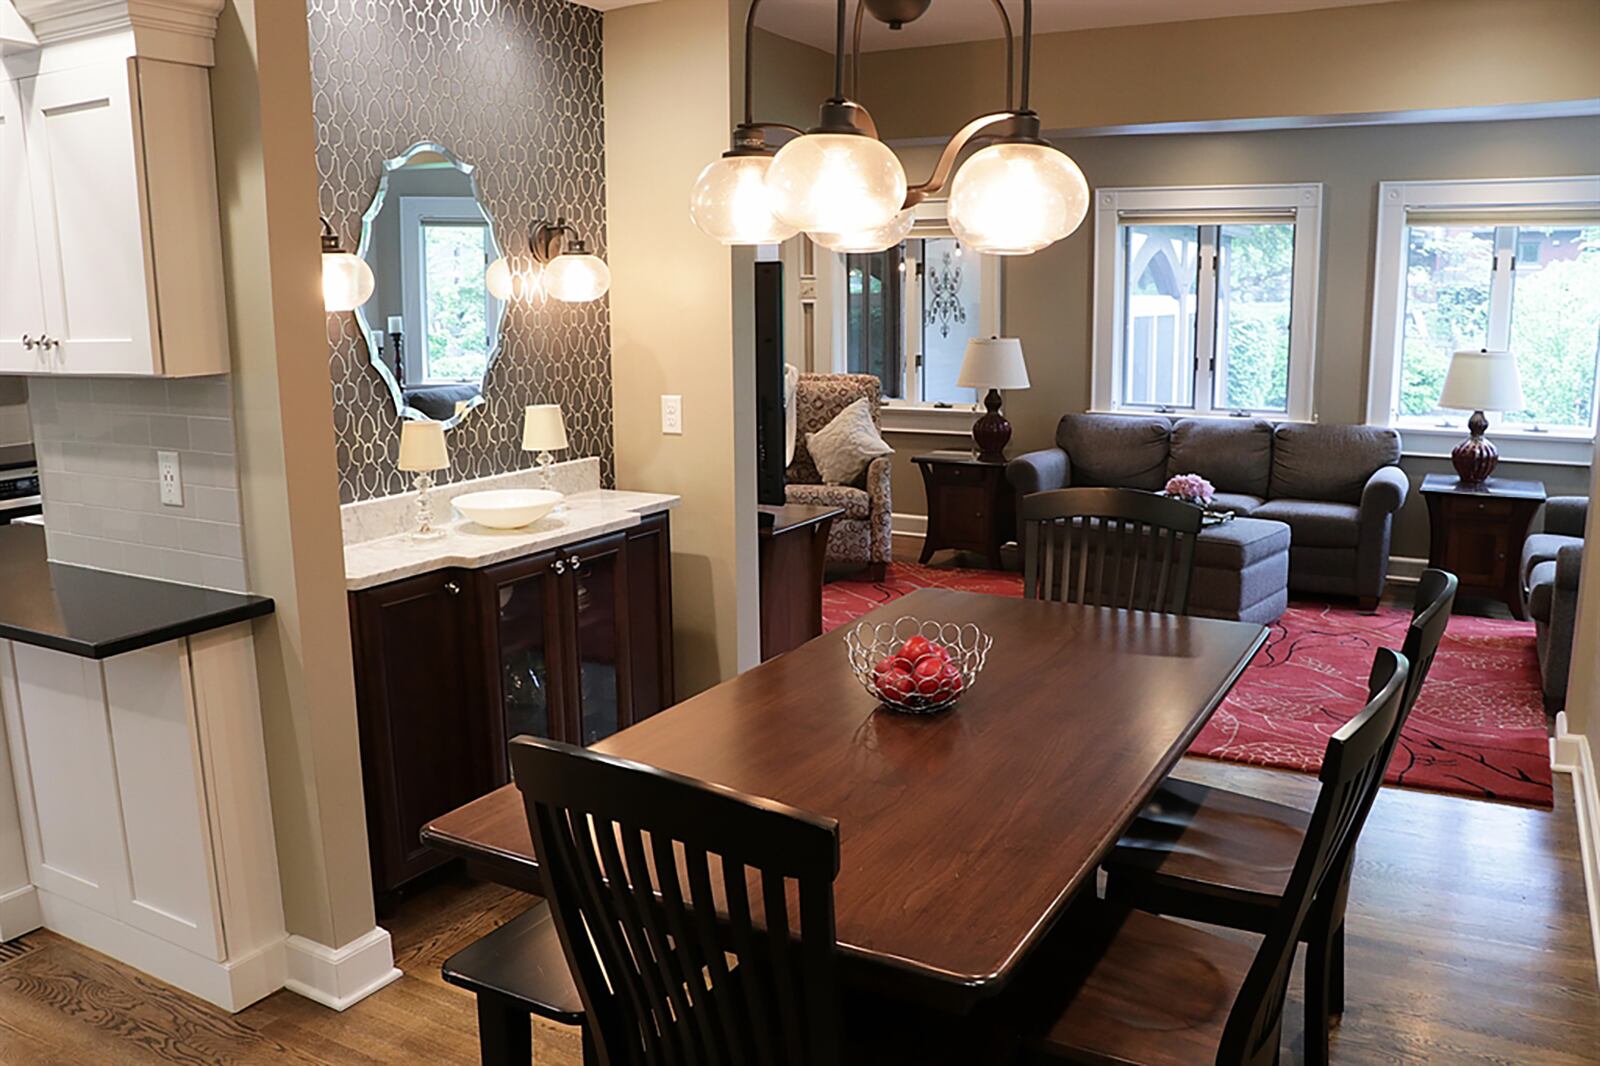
x=1109, y=548
x=698, y=922
x=1352, y=771
x=1430, y=616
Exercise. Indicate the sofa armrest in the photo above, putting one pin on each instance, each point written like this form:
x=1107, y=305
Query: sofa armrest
x=1039, y=471
x=1569, y=562
x=881, y=503
x=1566, y=515
x=1384, y=492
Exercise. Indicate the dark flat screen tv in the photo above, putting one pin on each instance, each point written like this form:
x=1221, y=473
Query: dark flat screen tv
x=771, y=441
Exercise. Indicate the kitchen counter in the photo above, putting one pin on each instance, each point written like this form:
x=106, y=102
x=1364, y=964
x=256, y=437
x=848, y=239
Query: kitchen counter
x=98, y=614
x=466, y=544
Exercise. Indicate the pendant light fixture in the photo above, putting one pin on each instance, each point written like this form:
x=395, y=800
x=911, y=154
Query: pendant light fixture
x=347, y=280
x=846, y=189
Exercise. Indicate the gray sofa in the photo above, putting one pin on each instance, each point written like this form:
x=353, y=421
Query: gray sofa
x=1337, y=488
x=1551, y=562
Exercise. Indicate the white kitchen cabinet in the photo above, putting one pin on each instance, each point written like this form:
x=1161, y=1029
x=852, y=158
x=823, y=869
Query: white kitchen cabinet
x=110, y=163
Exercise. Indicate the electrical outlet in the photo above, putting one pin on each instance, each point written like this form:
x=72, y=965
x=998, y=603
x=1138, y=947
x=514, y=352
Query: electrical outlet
x=672, y=414
x=171, y=479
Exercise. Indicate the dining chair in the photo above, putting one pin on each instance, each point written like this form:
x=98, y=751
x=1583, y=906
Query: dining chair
x=1223, y=857
x=1109, y=548
x=1117, y=984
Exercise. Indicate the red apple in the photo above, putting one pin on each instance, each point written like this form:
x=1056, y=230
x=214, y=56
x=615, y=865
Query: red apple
x=914, y=650
x=895, y=686
x=952, y=679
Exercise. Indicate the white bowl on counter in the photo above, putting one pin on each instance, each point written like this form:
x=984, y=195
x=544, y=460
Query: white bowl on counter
x=507, y=508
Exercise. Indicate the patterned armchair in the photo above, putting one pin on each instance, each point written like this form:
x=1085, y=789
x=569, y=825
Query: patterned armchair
x=861, y=534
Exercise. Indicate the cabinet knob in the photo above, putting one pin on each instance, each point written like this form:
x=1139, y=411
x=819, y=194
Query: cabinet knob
x=28, y=342
x=560, y=566
x=574, y=562
x=452, y=588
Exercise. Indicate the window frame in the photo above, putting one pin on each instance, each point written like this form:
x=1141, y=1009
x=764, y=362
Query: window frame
x=1206, y=205
x=416, y=213
x=1396, y=199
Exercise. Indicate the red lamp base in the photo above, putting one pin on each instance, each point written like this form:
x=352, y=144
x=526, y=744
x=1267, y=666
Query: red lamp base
x=1476, y=457
x=992, y=432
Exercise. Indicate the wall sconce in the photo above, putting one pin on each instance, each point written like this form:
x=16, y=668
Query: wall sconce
x=571, y=273
x=347, y=281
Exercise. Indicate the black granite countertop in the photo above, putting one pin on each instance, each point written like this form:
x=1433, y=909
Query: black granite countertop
x=98, y=614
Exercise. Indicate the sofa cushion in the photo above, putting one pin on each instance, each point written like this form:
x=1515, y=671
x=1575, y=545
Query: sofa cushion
x=1237, y=502
x=1542, y=588
x=1325, y=462
x=856, y=502
x=1540, y=547
x=1239, y=544
x=1235, y=456
x=1120, y=451
x=1315, y=523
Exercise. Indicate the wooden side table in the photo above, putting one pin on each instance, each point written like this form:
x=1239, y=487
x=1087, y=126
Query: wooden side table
x=1478, y=530
x=970, y=505
x=793, y=552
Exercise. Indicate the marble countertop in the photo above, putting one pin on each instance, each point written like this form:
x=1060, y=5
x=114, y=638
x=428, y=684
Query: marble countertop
x=469, y=545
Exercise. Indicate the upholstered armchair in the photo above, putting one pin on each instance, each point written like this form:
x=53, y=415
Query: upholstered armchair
x=1552, y=562
x=861, y=534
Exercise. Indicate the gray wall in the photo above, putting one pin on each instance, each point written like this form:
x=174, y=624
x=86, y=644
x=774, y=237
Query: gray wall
x=14, y=428
x=515, y=88
x=1049, y=300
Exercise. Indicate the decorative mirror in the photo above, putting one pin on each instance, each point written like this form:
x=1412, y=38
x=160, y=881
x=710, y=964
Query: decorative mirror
x=432, y=326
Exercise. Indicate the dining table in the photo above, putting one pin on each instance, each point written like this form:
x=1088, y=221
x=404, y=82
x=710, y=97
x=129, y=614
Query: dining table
x=963, y=834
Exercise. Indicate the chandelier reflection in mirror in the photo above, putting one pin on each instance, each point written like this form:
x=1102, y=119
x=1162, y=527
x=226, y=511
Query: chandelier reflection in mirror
x=844, y=188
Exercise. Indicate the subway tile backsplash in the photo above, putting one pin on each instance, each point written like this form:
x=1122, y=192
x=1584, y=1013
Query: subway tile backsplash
x=97, y=441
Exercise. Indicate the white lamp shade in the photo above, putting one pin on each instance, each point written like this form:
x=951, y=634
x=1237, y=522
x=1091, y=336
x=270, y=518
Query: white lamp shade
x=872, y=240
x=993, y=363
x=422, y=446
x=498, y=278
x=577, y=278
x=347, y=281
x=543, y=428
x=836, y=183
x=1014, y=199
x=1480, y=380
x=730, y=202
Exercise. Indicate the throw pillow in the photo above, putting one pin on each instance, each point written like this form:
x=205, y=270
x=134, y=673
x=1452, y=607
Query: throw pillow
x=843, y=448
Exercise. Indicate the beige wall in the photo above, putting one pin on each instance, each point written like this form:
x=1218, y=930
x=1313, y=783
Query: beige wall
x=14, y=426
x=1048, y=298
x=1414, y=55
x=681, y=319
x=261, y=94
x=790, y=80
x=1583, y=685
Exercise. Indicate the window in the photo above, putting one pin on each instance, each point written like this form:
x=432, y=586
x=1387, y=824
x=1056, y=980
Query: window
x=1205, y=299
x=446, y=247
x=910, y=311
x=1511, y=265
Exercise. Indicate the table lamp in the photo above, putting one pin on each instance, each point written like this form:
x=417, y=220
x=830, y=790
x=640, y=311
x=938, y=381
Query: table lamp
x=422, y=451
x=1479, y=380
x=993, y=363
x=544, y=431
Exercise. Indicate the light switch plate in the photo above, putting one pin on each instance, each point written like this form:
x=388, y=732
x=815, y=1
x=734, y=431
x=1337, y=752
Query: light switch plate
x=672, y=415
x=171, y=479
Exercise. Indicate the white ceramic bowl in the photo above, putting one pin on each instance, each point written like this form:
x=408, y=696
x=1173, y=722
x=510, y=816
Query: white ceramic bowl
x=507, y=508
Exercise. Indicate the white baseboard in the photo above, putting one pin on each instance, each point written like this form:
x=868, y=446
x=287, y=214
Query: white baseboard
x=19, y=912
x=231, y=985
x=1572, y=753
x=910, y=525
x=341, y=977
x=1405, y=569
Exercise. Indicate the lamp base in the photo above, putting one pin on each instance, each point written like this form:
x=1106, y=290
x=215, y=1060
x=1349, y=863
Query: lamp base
x=1476, y=457
x=991, y=432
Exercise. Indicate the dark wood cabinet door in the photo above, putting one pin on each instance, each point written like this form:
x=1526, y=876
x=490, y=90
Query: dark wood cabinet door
x=650, y=614
x=424, y=742
x=600, y=700
x=523, y=655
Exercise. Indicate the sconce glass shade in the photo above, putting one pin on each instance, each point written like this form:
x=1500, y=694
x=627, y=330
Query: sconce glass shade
x=1013, y=199
x=512, y=279
x=731, y=204
x=577, y=278
x=498, y=279
x=873, y=240
x=347, y=281
x=836, y=183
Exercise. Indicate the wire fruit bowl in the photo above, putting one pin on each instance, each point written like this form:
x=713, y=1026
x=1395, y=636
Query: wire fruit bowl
x=915, y=666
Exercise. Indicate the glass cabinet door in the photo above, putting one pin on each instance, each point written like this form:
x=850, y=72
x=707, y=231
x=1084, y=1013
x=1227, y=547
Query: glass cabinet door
x=523, y=660
x=599, y=606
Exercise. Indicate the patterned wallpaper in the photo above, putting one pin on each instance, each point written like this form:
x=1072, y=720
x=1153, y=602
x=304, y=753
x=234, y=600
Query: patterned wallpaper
x=513, y=87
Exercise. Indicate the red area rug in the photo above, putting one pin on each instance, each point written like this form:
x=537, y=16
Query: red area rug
x=1477, y=730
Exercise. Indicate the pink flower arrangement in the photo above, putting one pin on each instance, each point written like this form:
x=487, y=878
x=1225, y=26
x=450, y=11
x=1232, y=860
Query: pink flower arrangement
x=1191, y=488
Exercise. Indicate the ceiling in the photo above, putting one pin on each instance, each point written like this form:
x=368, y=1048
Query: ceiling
x=952, y=21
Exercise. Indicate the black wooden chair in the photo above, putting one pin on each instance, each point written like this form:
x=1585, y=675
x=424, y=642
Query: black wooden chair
x=1109, y=548
x=1116, y=984
x=1222, y=857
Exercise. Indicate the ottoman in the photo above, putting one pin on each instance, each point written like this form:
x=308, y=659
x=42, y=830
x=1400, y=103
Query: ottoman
x=1241, y=571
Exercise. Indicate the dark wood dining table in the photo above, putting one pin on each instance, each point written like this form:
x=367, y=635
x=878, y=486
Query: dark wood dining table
x=964, y=834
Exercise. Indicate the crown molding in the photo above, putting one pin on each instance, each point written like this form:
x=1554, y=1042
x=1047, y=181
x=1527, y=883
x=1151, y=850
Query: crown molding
x=179, y=30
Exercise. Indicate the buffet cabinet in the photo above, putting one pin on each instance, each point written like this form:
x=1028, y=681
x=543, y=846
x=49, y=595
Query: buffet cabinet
x=572, y=644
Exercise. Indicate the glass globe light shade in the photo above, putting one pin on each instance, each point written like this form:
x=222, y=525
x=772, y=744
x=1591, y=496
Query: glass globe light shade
x=577, y=278
x=872, y=240
x=1013, y=199
x=731, y=204
x=836, y=183
x=347, y=281
x=499, y=279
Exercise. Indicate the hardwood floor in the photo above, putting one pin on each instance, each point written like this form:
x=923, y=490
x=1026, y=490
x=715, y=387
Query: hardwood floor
x=1468, y=943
